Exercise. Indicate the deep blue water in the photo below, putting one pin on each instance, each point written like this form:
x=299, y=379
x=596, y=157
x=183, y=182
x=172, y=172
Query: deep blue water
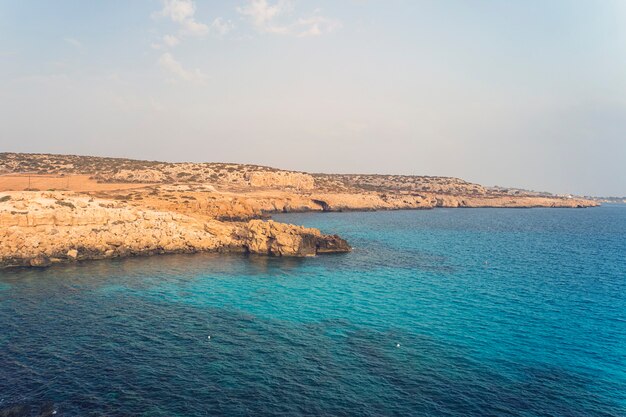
x=497, y=312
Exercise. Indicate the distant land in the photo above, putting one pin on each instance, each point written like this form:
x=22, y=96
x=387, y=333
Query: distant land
x=613, y=200
x=66, y=208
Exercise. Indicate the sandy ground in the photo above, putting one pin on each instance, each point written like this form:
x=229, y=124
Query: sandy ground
x=21, y=182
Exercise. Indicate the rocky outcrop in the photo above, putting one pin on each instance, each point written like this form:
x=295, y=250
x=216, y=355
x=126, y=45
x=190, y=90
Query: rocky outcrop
x=279, y=239
x=139, y=175
x=41, y=228
x=38, y=229
x=280, y=179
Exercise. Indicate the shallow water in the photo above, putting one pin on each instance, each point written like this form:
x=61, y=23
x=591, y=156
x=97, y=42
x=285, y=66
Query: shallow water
x=449, y=312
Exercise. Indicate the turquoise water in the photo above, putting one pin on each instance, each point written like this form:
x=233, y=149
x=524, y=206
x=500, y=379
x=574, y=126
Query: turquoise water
x=449, y=312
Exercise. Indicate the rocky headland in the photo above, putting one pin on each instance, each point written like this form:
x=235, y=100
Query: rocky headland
x=42, y=228
x=63, y=208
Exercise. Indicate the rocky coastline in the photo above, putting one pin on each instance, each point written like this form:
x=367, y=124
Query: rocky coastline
x=99, y=208
x=43, y=228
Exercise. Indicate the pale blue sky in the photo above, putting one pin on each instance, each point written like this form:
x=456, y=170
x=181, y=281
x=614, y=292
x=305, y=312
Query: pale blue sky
x=527, y=93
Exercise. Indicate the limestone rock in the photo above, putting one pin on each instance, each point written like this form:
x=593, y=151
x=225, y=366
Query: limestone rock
x=279, y=239
x=280, y=179
x=92, y=228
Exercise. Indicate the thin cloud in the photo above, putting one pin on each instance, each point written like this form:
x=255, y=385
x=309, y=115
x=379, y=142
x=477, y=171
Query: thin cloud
x=193, y=28
x=171, y=40
x=171, y=65
x=74, y=42
x=263, y=15
x=316, y=26
x=182, y=12
x=270, y=18
x=221, y=27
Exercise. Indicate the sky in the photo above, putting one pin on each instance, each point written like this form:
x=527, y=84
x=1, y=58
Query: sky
x=526, y=93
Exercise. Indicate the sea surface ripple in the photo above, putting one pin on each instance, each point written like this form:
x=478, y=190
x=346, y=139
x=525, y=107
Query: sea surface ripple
x=448, y=312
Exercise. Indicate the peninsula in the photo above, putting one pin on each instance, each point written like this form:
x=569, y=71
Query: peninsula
x=66, y=208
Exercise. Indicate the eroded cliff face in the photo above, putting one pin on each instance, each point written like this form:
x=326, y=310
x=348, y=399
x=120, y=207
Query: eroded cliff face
x=42, y=228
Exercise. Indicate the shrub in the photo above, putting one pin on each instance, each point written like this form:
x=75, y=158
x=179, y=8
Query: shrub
x=65, y=204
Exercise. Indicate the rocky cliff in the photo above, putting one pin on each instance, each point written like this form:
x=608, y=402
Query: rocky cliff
x=41, y=228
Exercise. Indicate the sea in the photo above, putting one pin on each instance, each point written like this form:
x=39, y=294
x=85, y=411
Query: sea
x=444, y=312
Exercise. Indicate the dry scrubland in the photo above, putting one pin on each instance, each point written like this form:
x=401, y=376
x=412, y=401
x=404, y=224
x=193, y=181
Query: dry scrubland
x=62, y=208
